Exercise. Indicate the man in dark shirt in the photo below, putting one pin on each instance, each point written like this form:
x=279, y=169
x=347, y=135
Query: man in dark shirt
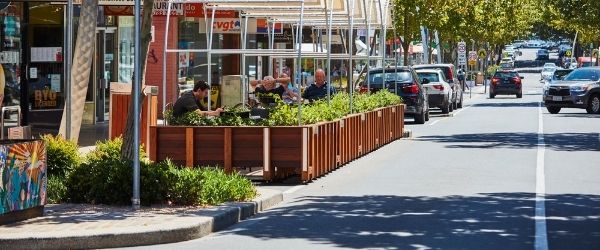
x=267, y=88
x=190, y=101
x=318, y=90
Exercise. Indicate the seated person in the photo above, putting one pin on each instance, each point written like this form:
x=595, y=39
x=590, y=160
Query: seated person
x=290, y=92
x=190, y=101
x=318, y=90
x=267, y=88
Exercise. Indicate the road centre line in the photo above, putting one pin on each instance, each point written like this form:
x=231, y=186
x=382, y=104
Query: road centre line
x=541, y=233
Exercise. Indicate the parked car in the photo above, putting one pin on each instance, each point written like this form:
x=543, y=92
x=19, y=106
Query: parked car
x=439, y=92
x=405, y=82
x=452, y=78
x=547, y=73
x=585, y=61
x=542, y=54
x=578, y=89
x=506, y=82
x=508, y=60
x=519, y=44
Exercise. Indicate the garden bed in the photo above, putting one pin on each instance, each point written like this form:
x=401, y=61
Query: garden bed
x=276, y=152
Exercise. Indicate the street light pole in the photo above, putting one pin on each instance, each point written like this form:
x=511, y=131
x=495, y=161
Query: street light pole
x=68, y=62
x=135, y=200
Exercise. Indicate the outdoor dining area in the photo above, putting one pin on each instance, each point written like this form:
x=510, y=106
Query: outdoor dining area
x=282, y=125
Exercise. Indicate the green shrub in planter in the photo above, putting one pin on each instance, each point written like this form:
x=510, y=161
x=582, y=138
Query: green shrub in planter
x=105, y=178
x=56, y=189
x=219, y=187
x=185, y=186
x=62, y=155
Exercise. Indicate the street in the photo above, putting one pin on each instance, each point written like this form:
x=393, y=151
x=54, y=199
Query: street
x=476, y=180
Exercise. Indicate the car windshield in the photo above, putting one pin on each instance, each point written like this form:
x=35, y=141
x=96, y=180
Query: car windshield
x=402, y=76
x=431, y=76
x=583, y=75
x=548, y=69
x=506, y=74
x=560, y=73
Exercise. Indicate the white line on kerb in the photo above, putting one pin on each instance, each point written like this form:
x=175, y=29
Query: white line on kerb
x=541, y=233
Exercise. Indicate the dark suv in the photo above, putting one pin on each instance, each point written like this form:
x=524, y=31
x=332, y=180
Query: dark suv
x=404, y=82
x=506, y=82
x=578, y=89
x=451, y=76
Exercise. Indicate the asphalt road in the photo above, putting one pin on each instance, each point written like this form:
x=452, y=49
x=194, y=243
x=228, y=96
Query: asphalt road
x=463, y=182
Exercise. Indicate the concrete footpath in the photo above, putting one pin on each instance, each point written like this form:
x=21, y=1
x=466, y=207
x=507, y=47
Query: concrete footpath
x=79, y=226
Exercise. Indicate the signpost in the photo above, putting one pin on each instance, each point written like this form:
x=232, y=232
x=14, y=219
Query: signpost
x=472, y=58
x=482, y=54
x=462, y=54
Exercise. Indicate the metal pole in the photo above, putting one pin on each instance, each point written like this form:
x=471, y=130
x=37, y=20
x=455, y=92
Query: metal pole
x=329, y=84
x=299, y=66
x=164, y=61
x=350, y=71
x=244, y=21
x=270, y=42
x=209, y=58
x=68, y=64
x=368, y=21
x=137, y=80
x=396, y=60
x=383, y=36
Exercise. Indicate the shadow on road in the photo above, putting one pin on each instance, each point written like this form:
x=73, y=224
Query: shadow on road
x=557, y=141
x=483, y=221
x=507, y=104
x=576, y=115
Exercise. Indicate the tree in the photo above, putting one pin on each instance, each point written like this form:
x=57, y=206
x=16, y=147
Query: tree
x=146, y=37
x=406, y=20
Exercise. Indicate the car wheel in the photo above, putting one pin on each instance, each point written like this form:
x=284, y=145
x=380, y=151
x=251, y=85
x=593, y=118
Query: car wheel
x=520, y=95
x=460, y=104
x=422, y=117
x=447, y=108
x=593, y=106
x=553, y=110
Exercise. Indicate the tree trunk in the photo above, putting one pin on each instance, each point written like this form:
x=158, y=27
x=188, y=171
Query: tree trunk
x=83, y=55
x=406, y=40
x=146, y=37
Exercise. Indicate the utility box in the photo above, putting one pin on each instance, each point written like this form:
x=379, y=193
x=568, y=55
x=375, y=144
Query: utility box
x=479, y=79
x=232, y=91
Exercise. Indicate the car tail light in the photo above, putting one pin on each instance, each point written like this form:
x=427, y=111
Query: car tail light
x=363, y=89
x=517, y=80
x=412, y=89
x=451, y=75
x=439, y=87
x=495, y=80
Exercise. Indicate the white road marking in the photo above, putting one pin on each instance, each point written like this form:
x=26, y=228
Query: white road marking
x=293, y=190
x=436, y=121
x=541, y=233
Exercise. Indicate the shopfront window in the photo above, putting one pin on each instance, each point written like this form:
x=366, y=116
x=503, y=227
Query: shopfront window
x=126, y=49
x=10, y=52
x=45, y=74
x=193, y=67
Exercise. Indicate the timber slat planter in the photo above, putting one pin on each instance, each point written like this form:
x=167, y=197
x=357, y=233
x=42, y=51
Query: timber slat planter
x=309, y=151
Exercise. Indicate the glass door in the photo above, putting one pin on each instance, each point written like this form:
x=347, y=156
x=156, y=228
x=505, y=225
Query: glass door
x=105, y=68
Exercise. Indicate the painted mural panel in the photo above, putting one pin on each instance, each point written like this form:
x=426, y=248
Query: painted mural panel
x=22, y=175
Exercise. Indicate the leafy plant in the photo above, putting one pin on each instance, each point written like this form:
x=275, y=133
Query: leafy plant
x=62, y=155
x=56, y=189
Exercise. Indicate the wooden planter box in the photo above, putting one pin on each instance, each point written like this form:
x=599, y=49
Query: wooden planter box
x=23, y=179
x=272, y=153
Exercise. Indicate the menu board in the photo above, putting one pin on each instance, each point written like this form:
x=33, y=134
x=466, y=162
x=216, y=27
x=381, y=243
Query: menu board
x=46, y=54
